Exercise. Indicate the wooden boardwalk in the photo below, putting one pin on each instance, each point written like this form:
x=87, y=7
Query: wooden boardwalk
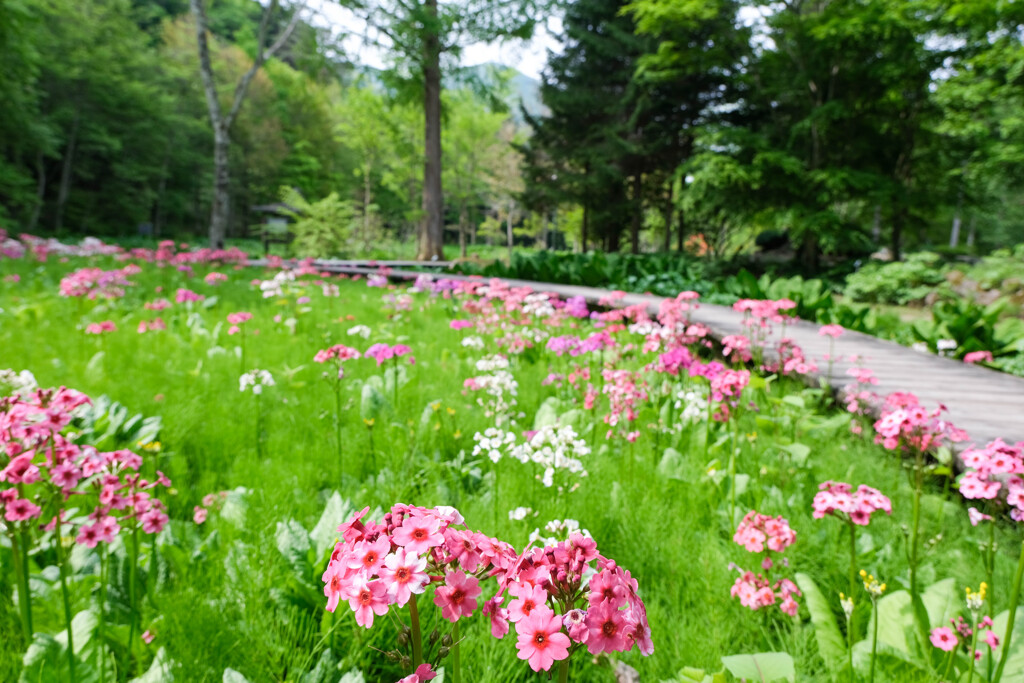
x=985, y=403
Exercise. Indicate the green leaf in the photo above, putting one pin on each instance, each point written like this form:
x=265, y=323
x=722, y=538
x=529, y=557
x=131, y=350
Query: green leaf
x=325, y=532
x=159, y=671
x=798, y=452
x=830, y=641
x=764, y=667
x=1014, y=671
x=232, y=676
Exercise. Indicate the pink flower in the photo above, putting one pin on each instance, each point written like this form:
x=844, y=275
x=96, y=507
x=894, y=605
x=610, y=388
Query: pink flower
x=457, y=597
x=148, y=636
x=89, y=535
x=944, y=638
x=575, y=622
x=404, y=573
x=978, y=357
x=834, y=331
x=609, y=631
x=153, y=521
x=541, y=641
x=198, y=514
x=20, y=509
x=606, y=588
x=992, y=639
x=239, y=318
x=366, y=599
x=335, y=583
x=369, y=557
x=977, y=516
x=423, y=673
x=528, y=599
x=498, y=616
x=418, y=534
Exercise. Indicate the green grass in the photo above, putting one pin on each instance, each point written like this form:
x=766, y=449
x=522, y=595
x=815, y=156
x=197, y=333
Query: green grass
x=237, y=601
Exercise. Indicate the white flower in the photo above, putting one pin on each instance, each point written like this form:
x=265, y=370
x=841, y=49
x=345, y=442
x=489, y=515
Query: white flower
x=256, y=379
x=519, y=514
x=492, y=443
x=17, y=383
x=473, y=342
x=553, y=448
x=920, y=347
x=360, y=331
x=492, y=363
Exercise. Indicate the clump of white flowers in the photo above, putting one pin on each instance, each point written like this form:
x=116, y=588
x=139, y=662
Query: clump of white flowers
x=553, y=448
x=691, y=404
x=499, y=388
x=493, y=443
x=474, y=342
x=360, y=331
x=255, y=380
x=280, y=285
x=519, y=514
x=17, y=383
x=557, y=530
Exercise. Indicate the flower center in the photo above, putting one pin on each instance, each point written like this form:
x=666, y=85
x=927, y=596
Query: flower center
x=402, y=574
x=609, y=628
x=458, y=596
x=540, y=638
x=365, y=596
x=419, y=534
x=370, y=559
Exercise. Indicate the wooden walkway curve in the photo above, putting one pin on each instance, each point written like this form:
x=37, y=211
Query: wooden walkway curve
x=985, y=403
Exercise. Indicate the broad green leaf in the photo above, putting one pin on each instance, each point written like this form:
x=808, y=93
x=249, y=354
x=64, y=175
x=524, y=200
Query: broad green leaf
x=160, y=671
x=764, y=667
x=232, y=676
x=830, y=641
x=798, y=451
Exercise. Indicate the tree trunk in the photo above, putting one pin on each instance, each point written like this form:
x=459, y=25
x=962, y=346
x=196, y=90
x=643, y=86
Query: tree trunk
x=508, y=232
x=40, y=192
x=432, y=230
x=634, y=227
x=971, y=231
x=876, y=225
x=681, y=233
x=954, y=234
x=666, y=214
x=546, y=231
x=65, y=175
x=366, y=207
x=463, y=228
x=221, y=209
x=898, y=217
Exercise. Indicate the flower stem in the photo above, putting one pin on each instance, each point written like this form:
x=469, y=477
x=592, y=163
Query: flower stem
x=456, y=655
x=563, y=671
x=337, y=429
x=853, y=557
x=417, y=635
x=103, y=612
x=970, y=654
x=915, y=529
x=21, y=574
x=62, y=566
x=133, y=608
x=1014, y=599
x=874, y=640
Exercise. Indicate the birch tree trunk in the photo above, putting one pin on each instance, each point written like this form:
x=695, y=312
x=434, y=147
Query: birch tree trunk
x=431, y=242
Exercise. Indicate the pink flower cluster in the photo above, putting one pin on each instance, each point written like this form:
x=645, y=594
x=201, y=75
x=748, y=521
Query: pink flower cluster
x=840, y=500
x=756, y=591
x=383, y=352
x=236, y=320
x=906, y=423
x=992, y=468
x=215, y=278
x=41, y=465
x=184, y=296
x=947, y=640
x=154, y=325
x=376, y=566
x=100, y=328
x=96, y=283
x=978, y=357
x=759, y=533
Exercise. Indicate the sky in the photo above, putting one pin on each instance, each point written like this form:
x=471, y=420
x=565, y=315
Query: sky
x=529, y=57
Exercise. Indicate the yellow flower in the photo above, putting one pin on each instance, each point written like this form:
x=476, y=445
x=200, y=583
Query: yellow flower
x=368, y=423
x=871, y=584
x=151, y=446
x=458, y=433
x=451, y=411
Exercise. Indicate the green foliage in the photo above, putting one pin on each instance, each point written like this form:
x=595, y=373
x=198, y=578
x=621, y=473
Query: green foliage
x=899, y=282
x=322, y=229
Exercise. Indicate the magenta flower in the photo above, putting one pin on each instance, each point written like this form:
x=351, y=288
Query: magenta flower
x=457, y=597
x=422, y=674
x=944, y=638
x=20, y=510
x=541, y=641
x=369, y=556
x=498, y=616
x=528, y=599
x=978, y=357
x=836, y=498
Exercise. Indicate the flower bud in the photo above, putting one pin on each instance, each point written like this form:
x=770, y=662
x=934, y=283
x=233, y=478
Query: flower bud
x=393, y=656
x=442, y=653
x=434, y=635
x=403, y=638
x=447, y=640
x=406, y=662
